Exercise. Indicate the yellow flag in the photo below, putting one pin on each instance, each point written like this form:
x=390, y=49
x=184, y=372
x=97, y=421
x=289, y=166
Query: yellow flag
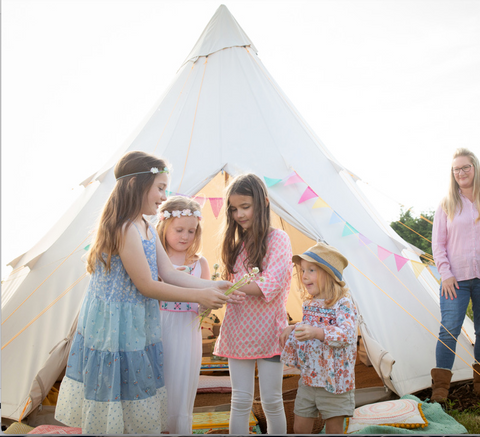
x=418, y=268
x=320, y=203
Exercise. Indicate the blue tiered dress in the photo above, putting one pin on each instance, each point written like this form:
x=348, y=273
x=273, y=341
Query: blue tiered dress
x=114, y=378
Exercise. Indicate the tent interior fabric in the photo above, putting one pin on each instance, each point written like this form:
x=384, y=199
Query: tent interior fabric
x=224, y=114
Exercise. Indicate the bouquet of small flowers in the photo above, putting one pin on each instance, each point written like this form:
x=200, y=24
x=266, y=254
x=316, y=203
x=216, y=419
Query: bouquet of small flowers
x=246, y=279
x=215, y=274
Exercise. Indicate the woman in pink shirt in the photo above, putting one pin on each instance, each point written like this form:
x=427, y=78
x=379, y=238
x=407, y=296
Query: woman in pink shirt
x=456, y=250
x=251, y=330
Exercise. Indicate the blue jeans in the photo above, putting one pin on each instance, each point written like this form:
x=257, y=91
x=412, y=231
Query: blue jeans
x=453, y=315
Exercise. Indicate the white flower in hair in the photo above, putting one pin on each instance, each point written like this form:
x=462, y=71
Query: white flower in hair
x=186, y=212
x=176, y=213
x=166, y=214
x=154, y=170
x=198, y=214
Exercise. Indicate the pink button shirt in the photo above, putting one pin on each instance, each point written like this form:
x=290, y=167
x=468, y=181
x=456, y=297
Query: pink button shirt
x=252, y=329
x=456, y=243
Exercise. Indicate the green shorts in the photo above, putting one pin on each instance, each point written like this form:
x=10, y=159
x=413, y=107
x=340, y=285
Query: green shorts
x=311, y=400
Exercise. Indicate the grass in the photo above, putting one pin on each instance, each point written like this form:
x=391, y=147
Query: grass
x=470, y=310
x=469, y=418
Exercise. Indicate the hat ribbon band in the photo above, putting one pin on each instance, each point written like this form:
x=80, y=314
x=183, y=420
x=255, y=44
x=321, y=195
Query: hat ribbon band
x=325, y=263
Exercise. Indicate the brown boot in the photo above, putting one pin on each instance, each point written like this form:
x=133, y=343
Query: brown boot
x=476, y=378
x=440, y=384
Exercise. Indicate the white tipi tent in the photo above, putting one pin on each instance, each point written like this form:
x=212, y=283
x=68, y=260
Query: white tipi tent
x=224, y=112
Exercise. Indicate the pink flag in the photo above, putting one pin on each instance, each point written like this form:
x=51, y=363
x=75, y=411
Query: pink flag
x=383, y=254
x=400, y=261
x=293, y=179
x=201, y=200
x=307, y=194
x=217, y=203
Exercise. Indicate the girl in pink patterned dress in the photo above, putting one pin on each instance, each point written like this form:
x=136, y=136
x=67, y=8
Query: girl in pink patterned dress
x=250, y=331
x=180, y=232
x=324, y=344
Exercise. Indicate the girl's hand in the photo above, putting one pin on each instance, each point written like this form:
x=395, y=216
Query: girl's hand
x=222, y=285
x=285, y=334
x=448, y=287
x=211, y=298
x=306, y=332
x=236, y=297
x=185, y=269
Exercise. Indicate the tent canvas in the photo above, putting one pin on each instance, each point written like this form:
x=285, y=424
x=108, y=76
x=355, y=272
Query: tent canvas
x=224, y=112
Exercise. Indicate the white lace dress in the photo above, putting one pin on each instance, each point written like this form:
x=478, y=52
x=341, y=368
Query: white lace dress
x=182, y=344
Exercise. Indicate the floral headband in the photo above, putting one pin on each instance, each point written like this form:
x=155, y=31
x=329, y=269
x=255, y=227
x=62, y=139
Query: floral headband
x=153, y=170
x=164, y=215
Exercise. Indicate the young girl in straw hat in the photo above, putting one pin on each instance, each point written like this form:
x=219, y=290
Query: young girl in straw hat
x=324, y=344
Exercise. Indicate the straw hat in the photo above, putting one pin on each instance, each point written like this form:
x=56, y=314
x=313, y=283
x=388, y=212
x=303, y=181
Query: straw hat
x=326, y=257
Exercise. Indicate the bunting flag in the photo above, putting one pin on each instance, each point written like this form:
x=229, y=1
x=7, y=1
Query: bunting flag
x=417, y=268
x=271, y=182
x=87, y=247
x=307, y=194
x=201, y=200
x=383, y=254
x=400, y=261
x=349, y=230
x=335, y=218
x=320, y=203
x=363, y=240
x=216, y=203
x=293, y=179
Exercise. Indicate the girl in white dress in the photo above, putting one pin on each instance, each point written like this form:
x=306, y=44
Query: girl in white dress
x=180, y=232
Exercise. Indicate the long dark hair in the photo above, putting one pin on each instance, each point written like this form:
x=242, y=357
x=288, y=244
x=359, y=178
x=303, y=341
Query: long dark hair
x=234, y=235
x=124, y=204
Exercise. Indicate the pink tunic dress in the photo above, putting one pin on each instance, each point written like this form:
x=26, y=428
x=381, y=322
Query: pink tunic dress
x=252, y=329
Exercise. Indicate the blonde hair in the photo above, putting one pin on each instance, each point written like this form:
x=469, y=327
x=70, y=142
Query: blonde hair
x=332, y=289
x=124, y=204
x=179, y=203
x=452, y=203
x=234, y=235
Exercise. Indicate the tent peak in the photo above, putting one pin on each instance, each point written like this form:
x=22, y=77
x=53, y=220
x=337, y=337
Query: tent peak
x=221, y=32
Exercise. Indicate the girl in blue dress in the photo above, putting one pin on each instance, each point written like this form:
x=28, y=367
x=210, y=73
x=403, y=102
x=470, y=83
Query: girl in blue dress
x=114, y=378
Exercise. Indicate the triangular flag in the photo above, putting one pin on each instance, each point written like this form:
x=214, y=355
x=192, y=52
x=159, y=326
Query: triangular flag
x=320, y=203
x=217, y=203
x=383, y=254
x=348, y=230
x=335, y=218
x=363, y=240
x=200, y=199
x=271, y=182
x=87, y=246
x=293, y=179
x=418, y=268
x=307, y=195
x=400, y=261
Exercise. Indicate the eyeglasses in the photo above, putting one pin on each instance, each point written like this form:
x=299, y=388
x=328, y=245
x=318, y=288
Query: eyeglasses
x=465, y=169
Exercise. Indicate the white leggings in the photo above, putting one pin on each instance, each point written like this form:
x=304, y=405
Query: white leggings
x=270, y=376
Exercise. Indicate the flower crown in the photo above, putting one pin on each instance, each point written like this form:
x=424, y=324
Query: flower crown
x=153, y=170
x=164, y=215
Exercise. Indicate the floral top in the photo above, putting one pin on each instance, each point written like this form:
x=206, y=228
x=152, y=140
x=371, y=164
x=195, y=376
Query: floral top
x=329, y=363
x=252, y=329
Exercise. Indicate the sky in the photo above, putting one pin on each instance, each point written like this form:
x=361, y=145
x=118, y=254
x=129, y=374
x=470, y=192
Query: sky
x=391, y=87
